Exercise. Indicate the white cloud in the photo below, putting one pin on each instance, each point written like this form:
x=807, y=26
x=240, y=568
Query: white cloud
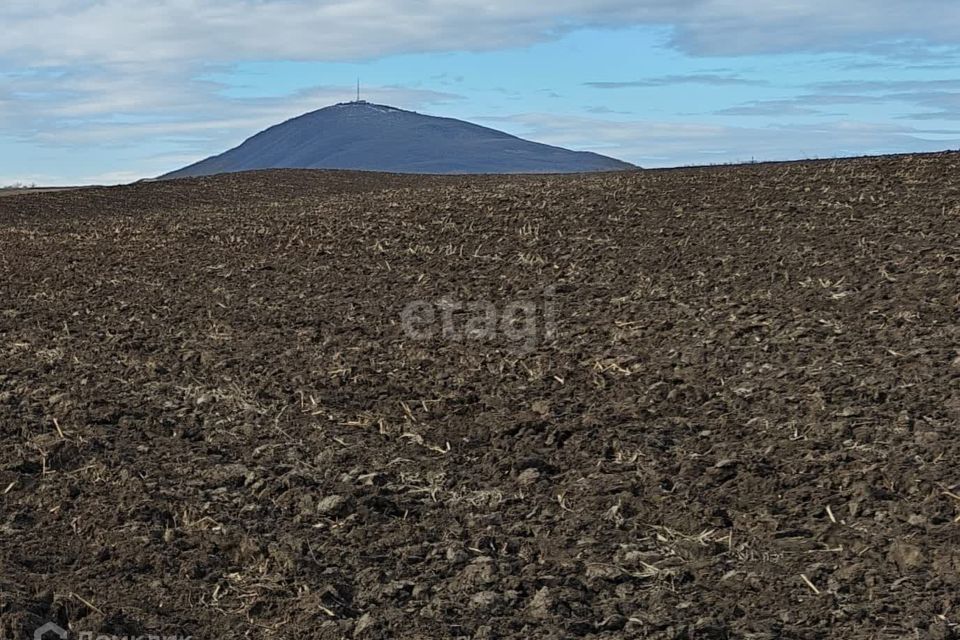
x=58, y=32
x=714, y=79
x=937, y=99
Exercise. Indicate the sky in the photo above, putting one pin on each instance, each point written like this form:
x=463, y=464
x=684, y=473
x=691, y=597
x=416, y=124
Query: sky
x=111, y=91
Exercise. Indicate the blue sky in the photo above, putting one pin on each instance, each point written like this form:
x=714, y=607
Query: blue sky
x=107, y=91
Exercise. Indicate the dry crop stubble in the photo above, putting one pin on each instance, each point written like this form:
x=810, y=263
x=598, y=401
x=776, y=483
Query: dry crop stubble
x=744, y=425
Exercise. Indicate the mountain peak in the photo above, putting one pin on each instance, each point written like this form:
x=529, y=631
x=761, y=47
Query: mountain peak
x=365, y=136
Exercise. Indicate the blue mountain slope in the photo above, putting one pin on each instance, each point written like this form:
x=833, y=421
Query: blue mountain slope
x=372, y=137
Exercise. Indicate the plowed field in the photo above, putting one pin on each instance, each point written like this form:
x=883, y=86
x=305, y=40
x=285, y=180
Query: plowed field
x=702, y=403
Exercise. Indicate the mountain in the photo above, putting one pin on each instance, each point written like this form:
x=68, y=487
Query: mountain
x=372, y=137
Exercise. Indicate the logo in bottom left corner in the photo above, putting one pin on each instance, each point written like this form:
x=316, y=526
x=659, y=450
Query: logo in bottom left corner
x=50, y=631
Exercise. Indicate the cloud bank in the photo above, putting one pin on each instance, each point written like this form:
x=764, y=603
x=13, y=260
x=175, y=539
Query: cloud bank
x=59, y=32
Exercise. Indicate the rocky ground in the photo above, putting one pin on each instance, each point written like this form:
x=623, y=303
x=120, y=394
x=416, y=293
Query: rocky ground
x=702, y=403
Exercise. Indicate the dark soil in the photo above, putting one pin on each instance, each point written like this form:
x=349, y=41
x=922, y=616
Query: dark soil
x=744, y=426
